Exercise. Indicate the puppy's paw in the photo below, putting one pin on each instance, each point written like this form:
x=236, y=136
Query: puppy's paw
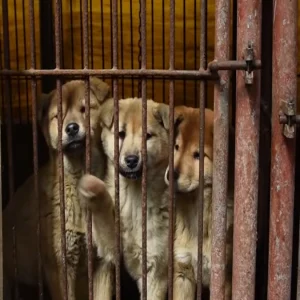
x=91, y=189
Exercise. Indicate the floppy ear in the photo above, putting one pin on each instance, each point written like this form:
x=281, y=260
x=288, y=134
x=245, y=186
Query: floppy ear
x=100, y=88
x=161, y=113
x=178, y=115
x=43, y=106
x=107, y=113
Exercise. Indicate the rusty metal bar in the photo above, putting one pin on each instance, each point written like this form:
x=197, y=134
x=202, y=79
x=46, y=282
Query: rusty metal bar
x=232, y=65
x=1, y=218
x=202, y=100
x=247, y=155
x=171, y=203
x=116, y=147
x=7, y=95
x=58, y=41
x=88, y=143
x=15, y=264
x=220, y=153
x=35, y=143
x=114, y=72
x=143, y=30
x=282, y=150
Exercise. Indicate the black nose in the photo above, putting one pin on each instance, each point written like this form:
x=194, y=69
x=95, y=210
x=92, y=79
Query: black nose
x=72, y=129
x=175, y=175
x=132, y=161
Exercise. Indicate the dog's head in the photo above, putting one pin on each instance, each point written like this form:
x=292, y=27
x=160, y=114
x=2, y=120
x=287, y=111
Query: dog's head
x=130, y=134
x=73, y=114
x=186, y=149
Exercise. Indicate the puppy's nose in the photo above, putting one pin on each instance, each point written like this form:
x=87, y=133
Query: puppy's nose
x=132, y=161
x=175, y=175
x=72, y=129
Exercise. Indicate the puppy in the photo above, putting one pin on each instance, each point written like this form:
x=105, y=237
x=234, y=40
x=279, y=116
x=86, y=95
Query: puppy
x=186, y=179
x=22, y=211
x=99, y=196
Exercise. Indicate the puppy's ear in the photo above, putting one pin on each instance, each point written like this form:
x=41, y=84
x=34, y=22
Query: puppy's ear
x=43, y=104
x=161, y=113
x=100, y=88
x=178, y=115
x=107, y=113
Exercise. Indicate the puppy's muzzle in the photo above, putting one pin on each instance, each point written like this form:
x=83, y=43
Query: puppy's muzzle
x=133, y=167
x=75, y=142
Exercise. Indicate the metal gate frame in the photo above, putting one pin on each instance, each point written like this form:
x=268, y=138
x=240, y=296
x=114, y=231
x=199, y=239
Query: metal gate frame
x=247, y=124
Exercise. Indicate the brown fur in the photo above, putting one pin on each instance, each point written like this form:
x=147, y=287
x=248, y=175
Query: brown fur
x=22, y=212
x=186, y=171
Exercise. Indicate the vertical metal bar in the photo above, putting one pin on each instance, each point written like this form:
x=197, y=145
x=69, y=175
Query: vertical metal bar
x=264, y=153
x=122, y=44
x=144, y=149
x=184, y=49
x=233, y=76
x=7, y=94
x=171, y=151
x=35, y=142
x=163, y=48
x=282, y=150
x=72, y=35
x=102, y=35
x=58, y=41
x=46, y=43
x=91, y=35
x=15, y=264
x=203, y=64
x=247, y=155
x=88, y=143
x=81, y=33
x=17, y=59
x=195, y=49
x=114, y=5
x=25, y=58
x=152, y=45
x=220, y=153
x=131, y=45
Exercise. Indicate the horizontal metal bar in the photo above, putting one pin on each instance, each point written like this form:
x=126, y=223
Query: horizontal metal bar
x=200, y=74
x=284, y=119
x=233, y=65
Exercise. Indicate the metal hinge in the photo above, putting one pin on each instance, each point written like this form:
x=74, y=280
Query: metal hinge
x=288, y=117
x=249, y=58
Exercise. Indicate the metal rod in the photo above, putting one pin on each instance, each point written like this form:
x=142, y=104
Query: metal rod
x=144, y=148
x=233, y=65
x=282, y=151
x=246, y=156
x=199, y=74
x=35, y=144
x=202, y=99
x=220, y=153
x=88, y=143
x=58, y=41
x=114, y=4
x=171, y=203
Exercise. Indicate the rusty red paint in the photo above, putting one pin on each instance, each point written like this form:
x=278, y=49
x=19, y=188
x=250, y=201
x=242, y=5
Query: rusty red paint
x=220, y=166
x=202, y=99
x=283, y=151
x=247, y=157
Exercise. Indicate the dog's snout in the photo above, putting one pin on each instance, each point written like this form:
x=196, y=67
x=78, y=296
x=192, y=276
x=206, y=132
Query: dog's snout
x=72, y=129
x=132, y=161
x=175, y=175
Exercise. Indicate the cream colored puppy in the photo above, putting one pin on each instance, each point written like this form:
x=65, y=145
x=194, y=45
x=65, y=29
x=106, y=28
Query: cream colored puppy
x=99, y=196
x=186, y=179
x=22, y=211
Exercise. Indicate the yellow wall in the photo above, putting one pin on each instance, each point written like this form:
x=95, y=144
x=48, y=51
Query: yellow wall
x=154, y=43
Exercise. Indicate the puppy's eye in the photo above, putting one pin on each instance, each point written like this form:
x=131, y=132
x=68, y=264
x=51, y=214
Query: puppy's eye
x=82, y=109
x=149, y=136
x=196, y=155
x=122, y=135
x=176, y=147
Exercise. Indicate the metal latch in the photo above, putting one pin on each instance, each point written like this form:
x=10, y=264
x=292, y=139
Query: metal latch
x=288, y=117
x=249, y=58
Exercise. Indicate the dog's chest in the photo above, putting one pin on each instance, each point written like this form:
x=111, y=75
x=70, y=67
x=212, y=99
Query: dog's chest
x=157, y=229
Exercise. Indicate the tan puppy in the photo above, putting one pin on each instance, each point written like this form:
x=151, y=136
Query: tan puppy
x=186, y=179
x=22, y=211
x=100, y=197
